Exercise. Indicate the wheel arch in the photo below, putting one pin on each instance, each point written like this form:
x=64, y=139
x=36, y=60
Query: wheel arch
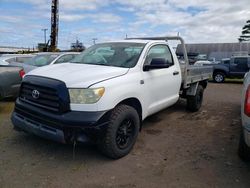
x=136, y=104
x=203, y=83
x=220, y=70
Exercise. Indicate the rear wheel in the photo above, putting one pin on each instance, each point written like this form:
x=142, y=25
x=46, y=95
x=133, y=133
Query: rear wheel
x=243, y=150
x=219, y=77
x=194, y=102
x=121, y=133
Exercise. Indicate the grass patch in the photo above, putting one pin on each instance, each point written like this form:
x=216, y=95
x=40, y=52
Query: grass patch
x=234, y=80
x=230, y=80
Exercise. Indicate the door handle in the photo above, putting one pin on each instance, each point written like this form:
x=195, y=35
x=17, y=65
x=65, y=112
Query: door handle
x=175, y=73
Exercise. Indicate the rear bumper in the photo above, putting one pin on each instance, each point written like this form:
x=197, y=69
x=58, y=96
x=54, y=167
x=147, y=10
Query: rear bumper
x=15, y=89
x=58, y=127
x=10, y=92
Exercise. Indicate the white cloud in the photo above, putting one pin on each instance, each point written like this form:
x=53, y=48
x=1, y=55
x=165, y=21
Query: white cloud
x=71, y=17
x=105, y=18
x=218, y=21
x=196, y=20
x=10, y=19
x=82, y=5
x=67, y=4
x=97, y=18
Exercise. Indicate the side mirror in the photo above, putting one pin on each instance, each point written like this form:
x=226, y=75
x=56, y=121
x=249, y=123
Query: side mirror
x=156, y=63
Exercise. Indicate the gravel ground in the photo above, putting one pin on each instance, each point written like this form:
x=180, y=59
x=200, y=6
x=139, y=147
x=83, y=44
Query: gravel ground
x=175, y=148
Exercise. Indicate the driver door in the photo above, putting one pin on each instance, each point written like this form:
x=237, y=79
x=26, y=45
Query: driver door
x=239, y=66
x=161, y=85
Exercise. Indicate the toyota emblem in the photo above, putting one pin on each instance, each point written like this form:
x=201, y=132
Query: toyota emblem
x=35, y=94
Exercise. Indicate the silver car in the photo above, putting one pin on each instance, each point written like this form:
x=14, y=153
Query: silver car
x=244, y=144
x=11, y=78
x=10, y=58
x=43, y=59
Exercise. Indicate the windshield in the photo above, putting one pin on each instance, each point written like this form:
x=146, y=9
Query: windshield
x=111, y=54
x=41, y=60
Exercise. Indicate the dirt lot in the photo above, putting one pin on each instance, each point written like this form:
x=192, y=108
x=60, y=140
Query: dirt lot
x=174, y=149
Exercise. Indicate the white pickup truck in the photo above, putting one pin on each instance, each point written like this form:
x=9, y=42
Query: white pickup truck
x=106, y=92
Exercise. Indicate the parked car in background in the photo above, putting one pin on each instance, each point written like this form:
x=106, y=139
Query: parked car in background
x=11, y=78
x=203, y=62
x=235, y=67
x=244, y=144
x=201, y=57
x=225, y=61
x=7, y=59
x=47, y=58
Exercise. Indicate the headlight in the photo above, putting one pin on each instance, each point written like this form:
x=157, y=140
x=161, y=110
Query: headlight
x=85, y=96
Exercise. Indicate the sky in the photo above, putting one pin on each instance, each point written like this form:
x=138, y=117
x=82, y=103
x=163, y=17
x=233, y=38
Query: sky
x=197, y=21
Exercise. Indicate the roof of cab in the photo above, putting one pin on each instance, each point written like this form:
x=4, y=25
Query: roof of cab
x=134, y=41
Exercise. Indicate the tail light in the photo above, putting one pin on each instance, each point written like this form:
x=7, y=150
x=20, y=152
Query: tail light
x=21, y=73
x=247, y=102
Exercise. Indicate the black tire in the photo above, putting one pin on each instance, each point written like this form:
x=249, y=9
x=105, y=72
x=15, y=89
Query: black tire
x=194, y=102
x=243, y=150
x=1, y=94
x=219, y=77
x=121, y=133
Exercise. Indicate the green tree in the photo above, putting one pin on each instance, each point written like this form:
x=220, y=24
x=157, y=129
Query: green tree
x=245, y=34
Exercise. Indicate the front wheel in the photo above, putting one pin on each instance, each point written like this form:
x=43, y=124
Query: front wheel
x=194, y=102
x=219, y=77
x=121, y=133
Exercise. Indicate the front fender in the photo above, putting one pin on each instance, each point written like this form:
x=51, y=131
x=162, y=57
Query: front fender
x=221, y=68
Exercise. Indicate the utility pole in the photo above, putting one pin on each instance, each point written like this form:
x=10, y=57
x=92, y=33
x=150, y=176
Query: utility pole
x=54, y=25
x=45, y=30
x=94, y=39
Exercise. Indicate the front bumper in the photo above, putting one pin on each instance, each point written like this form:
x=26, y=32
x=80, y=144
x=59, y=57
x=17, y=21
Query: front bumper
x=58, y=127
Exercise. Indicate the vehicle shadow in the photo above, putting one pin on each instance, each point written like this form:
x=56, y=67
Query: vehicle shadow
x=227, y=82
x=180, y=106
x=37, y=146
x=88, y=151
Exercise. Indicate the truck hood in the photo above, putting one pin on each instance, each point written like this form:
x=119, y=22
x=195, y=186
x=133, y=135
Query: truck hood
x=79, y=75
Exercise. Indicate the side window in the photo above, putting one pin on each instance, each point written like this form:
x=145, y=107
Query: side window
x=160, y=51
x=65, y=58
x=241, y=63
